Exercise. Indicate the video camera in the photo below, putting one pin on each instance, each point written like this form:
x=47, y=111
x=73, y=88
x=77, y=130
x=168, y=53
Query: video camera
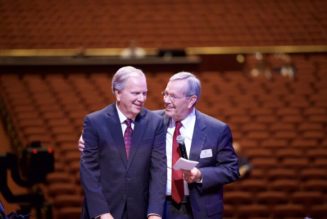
x=28, y=168
x=36, y=162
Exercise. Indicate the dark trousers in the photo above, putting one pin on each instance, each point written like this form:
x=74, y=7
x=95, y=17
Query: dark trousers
x=177, y=211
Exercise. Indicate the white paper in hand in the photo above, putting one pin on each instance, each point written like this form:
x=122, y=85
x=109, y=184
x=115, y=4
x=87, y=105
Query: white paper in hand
x=184, y=164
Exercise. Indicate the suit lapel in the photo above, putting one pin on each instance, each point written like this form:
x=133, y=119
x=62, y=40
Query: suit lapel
x=199, y=137
x=138, y=132
x=114, y=127
x=166, y=121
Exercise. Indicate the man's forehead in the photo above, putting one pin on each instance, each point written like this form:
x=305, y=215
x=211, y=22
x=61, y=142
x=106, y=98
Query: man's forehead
x=176, y=85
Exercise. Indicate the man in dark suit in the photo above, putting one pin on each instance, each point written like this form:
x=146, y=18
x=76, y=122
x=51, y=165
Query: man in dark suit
x=123, y=164
x=208, y=141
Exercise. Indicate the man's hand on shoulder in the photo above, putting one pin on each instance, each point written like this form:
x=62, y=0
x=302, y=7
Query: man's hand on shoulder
x=81, y=144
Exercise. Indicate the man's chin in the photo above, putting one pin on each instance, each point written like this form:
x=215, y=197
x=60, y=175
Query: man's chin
x=136, y=110
x=169, y=112
x=137, y=107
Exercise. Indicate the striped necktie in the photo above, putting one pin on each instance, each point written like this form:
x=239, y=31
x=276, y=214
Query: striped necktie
x=177, y=188
x=128, y=136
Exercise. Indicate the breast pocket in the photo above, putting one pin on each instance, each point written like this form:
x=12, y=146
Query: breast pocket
x=206, y=157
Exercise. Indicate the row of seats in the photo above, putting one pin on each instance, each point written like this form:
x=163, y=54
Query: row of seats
x=111, y=24
x=279, y=122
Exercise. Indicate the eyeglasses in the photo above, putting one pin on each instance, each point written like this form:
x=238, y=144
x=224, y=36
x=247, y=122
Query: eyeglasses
x=172, y=97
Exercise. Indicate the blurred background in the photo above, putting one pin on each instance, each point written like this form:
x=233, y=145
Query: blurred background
x=263, y=69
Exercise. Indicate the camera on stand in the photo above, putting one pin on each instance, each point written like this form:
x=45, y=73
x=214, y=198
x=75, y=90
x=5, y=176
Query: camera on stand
x=36, y=162
x=28, y=169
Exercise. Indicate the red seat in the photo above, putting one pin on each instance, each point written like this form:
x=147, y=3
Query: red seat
x=68, y=212
x=287, y=185
x=271, y=198
x=319, y=185
x=289, y=210
x=254, y=211
x=237, y=197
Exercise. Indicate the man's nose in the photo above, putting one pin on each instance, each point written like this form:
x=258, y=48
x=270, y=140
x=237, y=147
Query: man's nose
x=141, y=97
x=166, y=99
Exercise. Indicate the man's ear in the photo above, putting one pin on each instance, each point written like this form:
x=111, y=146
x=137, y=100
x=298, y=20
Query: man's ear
x=117, y=95
x=193, y=100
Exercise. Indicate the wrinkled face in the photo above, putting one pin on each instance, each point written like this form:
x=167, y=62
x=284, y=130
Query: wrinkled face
x=131, y=99
x=177, y=105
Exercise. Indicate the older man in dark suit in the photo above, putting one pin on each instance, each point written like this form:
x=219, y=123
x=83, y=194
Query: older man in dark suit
x=123, y=164
x=196, y=193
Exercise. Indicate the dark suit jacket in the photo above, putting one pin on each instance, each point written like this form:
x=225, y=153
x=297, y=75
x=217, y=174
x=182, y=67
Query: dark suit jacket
x=218, y=163
x=114, y=184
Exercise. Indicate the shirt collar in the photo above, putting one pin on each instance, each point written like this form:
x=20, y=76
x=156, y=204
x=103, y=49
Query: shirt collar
x=121, y=116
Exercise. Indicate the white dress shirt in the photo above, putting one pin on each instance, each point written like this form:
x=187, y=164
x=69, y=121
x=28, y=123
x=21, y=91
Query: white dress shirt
x=122, y=119
x=187, y=132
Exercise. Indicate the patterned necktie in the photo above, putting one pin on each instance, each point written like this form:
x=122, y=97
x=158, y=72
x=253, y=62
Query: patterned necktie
x=128, y=136
x=177, y=187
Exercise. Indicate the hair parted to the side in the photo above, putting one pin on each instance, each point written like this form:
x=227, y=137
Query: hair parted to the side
x=194, y=84
x=121, y=76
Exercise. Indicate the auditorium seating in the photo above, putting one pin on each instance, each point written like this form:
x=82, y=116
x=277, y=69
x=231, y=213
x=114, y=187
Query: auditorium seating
x=161, y=24
x=280, y=124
